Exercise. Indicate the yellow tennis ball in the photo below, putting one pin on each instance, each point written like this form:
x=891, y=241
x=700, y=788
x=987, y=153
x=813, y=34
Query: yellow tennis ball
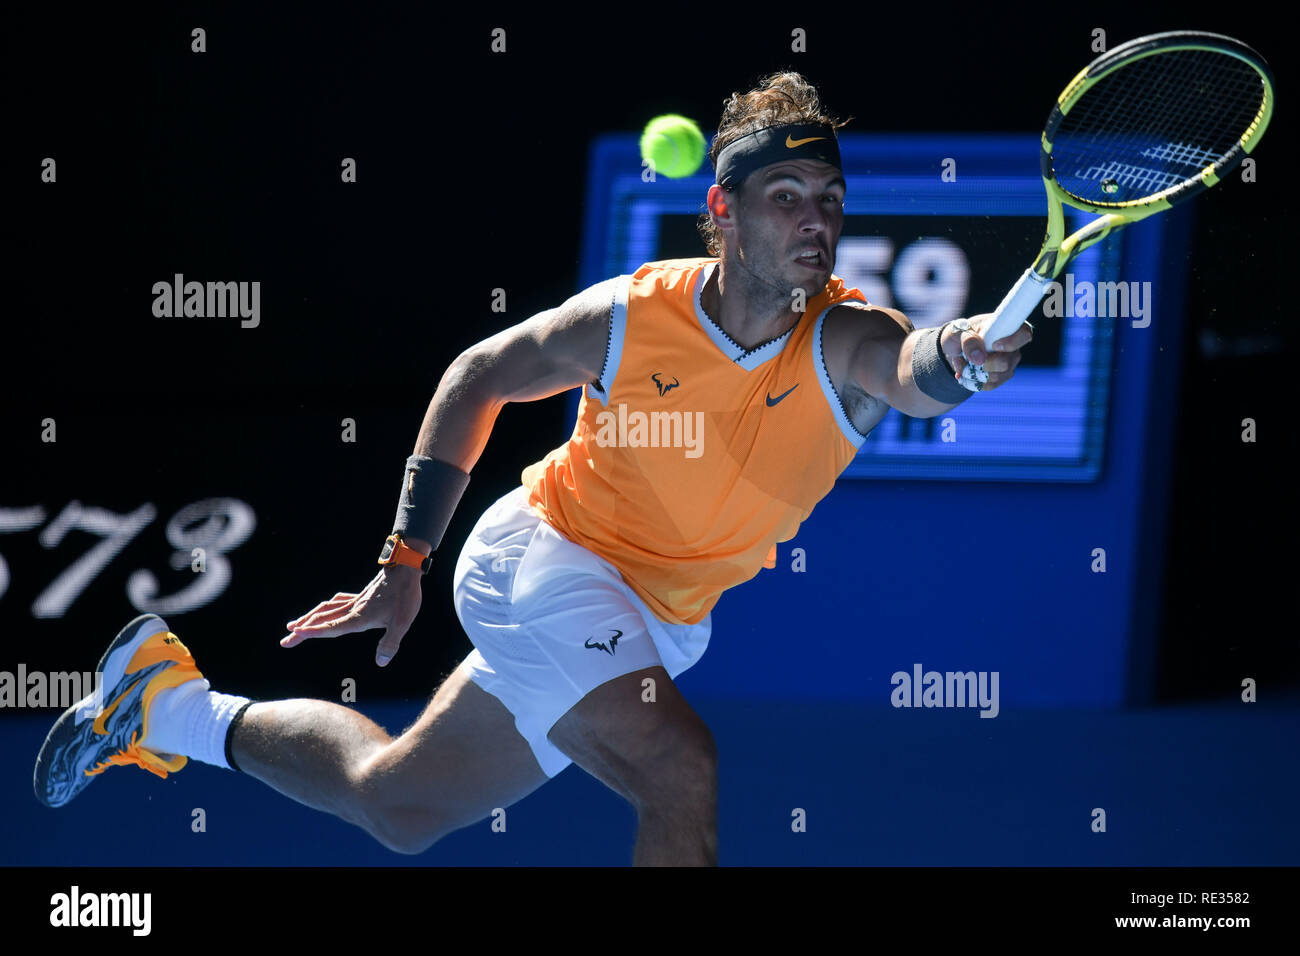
x=674, y=145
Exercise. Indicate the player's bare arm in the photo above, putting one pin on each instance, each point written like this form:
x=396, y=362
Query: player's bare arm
x=551, y=352
x=869, y=352
x=554, y=351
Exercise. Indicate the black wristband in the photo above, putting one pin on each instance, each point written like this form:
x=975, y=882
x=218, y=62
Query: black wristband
x=931, y=371
x=938, y=343
x=431, y=490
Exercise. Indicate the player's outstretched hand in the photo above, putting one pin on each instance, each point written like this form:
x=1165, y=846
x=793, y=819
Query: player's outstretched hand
x=391, y=600
x=1001, y=361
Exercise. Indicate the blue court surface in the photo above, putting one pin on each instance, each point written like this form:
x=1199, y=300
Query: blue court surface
x=1197, y=785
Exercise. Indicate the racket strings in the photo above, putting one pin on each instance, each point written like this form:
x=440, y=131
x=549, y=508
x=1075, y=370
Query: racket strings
x=1155, y=123
x=1207, y=97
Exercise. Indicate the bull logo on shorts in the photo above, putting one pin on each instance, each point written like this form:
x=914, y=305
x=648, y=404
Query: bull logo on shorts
x=607, y=648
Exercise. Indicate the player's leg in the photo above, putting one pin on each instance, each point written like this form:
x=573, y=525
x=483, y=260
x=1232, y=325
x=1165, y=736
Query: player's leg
x=461, y=759
x=567, y=645
x=658, y=755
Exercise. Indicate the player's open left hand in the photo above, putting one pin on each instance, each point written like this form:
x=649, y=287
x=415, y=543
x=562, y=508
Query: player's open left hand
x=391, y=600
x=1000, y=362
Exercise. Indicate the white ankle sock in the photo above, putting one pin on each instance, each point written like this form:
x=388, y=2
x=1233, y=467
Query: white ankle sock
x=192, y=720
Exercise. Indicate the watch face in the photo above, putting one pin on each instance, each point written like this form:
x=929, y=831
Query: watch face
x=387, y=553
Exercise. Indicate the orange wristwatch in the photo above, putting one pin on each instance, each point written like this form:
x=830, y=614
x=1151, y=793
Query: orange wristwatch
x=397, y=551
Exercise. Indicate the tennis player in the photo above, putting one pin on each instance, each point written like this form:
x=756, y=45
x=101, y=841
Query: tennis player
x=722, y=397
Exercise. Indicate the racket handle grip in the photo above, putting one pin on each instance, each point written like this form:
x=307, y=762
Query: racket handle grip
x=1018, y=305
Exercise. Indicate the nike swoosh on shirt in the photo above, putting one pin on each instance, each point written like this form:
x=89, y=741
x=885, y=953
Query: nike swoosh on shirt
x=772, y=401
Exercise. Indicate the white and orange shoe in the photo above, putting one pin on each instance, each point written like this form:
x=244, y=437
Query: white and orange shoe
x=105, y=729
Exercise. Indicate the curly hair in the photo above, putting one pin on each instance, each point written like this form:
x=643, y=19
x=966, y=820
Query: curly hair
x=780, y=98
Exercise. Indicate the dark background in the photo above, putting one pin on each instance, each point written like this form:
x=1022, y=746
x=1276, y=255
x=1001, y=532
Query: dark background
x=225, y=165
x=472, y=177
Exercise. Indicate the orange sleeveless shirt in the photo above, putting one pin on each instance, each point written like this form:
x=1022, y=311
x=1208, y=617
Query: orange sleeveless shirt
x=692, y=456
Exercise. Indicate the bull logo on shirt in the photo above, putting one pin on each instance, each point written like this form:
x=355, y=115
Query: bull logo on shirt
x=664, y=388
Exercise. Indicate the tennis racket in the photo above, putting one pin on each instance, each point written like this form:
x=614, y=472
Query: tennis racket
x=1155, y=121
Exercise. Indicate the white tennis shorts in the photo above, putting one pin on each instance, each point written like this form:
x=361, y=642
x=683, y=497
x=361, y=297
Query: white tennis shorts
x=550, y=622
